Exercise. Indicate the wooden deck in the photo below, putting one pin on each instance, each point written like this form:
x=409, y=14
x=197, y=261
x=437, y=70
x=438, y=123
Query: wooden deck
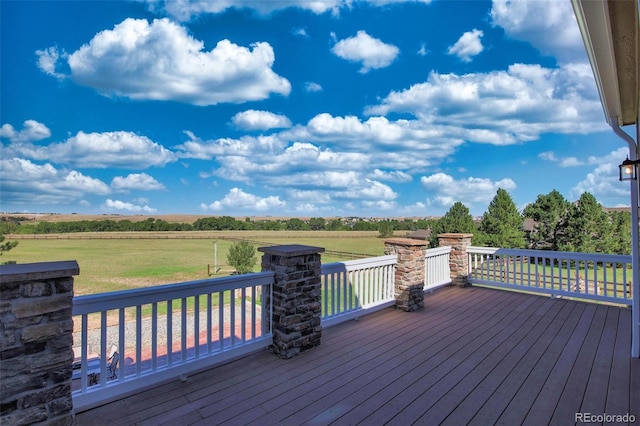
x=472, y=356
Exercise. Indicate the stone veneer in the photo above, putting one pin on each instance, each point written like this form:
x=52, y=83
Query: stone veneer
x=36, y=342
x=409, y=279
x=296, y=297
x=459, y=260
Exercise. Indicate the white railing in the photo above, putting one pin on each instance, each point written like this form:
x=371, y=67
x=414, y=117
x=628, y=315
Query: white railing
x=351, y=288
x=593, y=276
x=437, y=271
x=165, y=332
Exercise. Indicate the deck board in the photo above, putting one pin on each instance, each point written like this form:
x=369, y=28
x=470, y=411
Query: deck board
x=472, y=356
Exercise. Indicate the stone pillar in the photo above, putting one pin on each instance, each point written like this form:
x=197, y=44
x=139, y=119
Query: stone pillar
x=296, y=297
x=459, y=259
x=36, y=343
x=409, y=280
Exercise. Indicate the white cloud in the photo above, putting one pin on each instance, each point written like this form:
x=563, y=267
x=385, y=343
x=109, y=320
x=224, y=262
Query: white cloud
x=302, y=32
x=185, y=10
x=423, y=51
x=467, y=46
x=602, y=182
x=340, y=144
x=109, y=149
x=48, y=61
x=238, y=200
x=161, y=61
x=562, y=162
x=548, y=155
x=312, y=87
x=444, y=190
x=25, y=182
x=110, y=205
x=136, y=181
x=503, y=107
x=550, y=26
x=32, y=131
x=86, y=150
x=228, y=147
x=391, y=176
x=373, y=53
x=260, y=120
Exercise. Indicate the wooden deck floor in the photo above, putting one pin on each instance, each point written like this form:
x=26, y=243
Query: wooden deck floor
x=472, y=356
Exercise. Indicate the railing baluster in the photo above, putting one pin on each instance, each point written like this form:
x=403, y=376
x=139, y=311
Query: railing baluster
x=123, y=343
x=83, y=352
x=138, y=339
x=243, y=314
x=221, y=321
x=154, y=336
x=253, y=312
x=209, y=322
x=196, y=325
x=169, y=333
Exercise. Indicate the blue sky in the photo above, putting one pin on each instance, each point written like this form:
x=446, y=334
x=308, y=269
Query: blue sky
x=297, y=108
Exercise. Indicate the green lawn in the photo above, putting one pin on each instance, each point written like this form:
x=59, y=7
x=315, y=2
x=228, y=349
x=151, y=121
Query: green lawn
x=118, y=264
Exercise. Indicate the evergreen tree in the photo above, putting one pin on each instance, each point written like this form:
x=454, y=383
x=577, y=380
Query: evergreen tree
x=587, y=228
x=242, y=256
x=621, y=230
x=548, y=212
x=456, y=220
x=502, y=223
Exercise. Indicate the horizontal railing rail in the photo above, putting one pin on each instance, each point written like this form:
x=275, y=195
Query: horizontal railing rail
x=437, y=271
x=162, y=332
x=591, y=276
x=352, y=288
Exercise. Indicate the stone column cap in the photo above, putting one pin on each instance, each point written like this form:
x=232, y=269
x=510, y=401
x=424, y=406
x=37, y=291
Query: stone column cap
x=406, y=242
x=454, y=235
x=291, y=250
x=42, y=271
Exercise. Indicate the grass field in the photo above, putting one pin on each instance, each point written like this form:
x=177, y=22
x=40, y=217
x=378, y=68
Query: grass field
x=111, y=262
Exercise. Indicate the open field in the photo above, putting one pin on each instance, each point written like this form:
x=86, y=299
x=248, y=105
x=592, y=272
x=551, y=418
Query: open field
x=119, y=261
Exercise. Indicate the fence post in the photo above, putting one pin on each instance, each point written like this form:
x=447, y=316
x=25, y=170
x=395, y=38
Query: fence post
x=409, y=279
x=296, y=297
x=36, y=342
x=459, y=259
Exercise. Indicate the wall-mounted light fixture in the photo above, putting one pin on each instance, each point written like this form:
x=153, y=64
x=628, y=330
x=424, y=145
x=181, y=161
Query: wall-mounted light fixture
x=629, y=169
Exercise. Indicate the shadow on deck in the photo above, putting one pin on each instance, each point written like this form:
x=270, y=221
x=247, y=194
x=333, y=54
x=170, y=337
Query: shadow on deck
x=472, y=356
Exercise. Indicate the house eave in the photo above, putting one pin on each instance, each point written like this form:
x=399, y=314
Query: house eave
x=609, y=30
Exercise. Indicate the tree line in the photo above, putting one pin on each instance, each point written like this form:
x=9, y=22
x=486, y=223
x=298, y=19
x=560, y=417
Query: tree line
x=17, y=225
x=549, y=223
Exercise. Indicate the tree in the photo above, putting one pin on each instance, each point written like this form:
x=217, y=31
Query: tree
x=586, y=228
x=456, y=220
x=385, y=229
x=502, y=223
x=295, y=224
x=242, y=256
x=317, y=223
x=621, y=224
x=548, y=212
x=6, y=246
